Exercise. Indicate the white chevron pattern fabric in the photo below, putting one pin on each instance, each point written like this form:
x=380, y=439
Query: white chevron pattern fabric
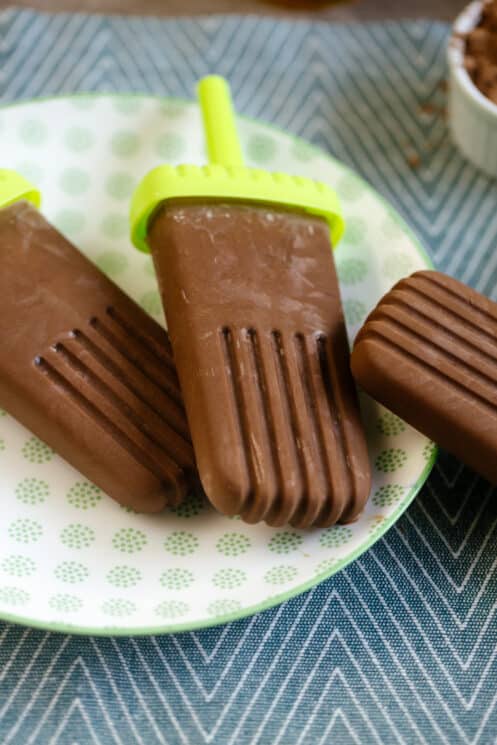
x=401, y=647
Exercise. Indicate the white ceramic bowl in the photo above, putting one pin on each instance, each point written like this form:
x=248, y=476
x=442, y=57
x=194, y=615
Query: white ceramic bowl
x=472, y=116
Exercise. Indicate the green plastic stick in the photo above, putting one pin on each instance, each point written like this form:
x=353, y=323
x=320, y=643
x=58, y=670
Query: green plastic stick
x=223, y=145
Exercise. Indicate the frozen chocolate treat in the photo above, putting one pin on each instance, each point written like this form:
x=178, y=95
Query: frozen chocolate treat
x=253, y=308
x=428, y=352
x=86, y=370
x=481, y=51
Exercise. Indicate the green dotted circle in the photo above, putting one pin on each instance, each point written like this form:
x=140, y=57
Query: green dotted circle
x=354, y=311
x=129, y=540
x=112, y=263
x=78, y=139
x=389, y=424
x=127, y=104
x=25, y=530
x=151, y=303
x=352, y=271
x=327, y=565
x=83, y=495
x=3, y=412
x=388, y=495
x=280, y=575
x=223, y=606
x=65, y=603
x=124, y=143
x=172, y=109
x=77, y=536
x=70, y=221
x=302, y=151
x=114, y=225
x=170, y=146
x=228, y=579
x=390, y=460
x=120, y=185
x=172, y=609
x=233, y=544
x=191, y=507
x=397, y=265
x=350, y=188
x=429, y=450
x=74, y=181
x=32, y=491
x=124, y=576
x=356, y=230
x=181, y=543
x=14, y=596
x=33, y=132
x=2, y=444
x=261, y=148
x=285, y=543
x=71, y=572
x=118, y=607
x=176, y=578
x=18, y=566
x=335, y=536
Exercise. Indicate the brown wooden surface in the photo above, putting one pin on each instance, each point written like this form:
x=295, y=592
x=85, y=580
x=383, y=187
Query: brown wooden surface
x=358, y=10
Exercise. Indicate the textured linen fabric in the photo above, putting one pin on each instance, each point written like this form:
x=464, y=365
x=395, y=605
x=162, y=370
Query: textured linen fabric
x=401, y=646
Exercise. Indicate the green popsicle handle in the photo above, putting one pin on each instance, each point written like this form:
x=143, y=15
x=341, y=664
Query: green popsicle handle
x=223, y=145
x=14, y=187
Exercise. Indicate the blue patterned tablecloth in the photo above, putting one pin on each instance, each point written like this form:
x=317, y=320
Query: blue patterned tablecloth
x=401, y=647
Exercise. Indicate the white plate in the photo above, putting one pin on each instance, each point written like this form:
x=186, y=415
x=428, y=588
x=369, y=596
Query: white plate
x=70, y=558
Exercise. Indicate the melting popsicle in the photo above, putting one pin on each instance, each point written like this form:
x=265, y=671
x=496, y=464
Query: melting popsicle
x=250, y=292
x=83, y=366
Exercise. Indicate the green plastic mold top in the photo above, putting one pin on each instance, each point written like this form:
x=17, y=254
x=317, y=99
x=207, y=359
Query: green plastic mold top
x=226, y=177
x=14, y=187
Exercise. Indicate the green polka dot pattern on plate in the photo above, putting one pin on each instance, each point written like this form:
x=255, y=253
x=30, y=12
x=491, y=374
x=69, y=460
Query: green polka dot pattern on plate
x=124, y=576
x=392, y=227
x=151, y=303
x=172, y=109
x=170, y=146
x=71, y=572
x=70, y=221
x=376, y=524
x=388, y=494
x=32, y=491
x=124, y=143
x=181, y=543
x=18, y=566
x=77, y=536
x=118, y=607
x=335, y=536
x=112, y=263
x=78, y=139
x=33, y=132
x=114, y=225
x=25, y=530
x=129, y=540
x=223, y=607
x=176, y=578
x=397, y=265
x=74, y=181
x=2, y=444
x=120, y=185
x=352, y=271
x=83, y=495
x=65, y=603
x=389, y=424
x=302, y=151
x=3, y=412
x=229, y=579
x=233, y=544
x=390, y=460
x=429, y=450
x=127, y=104
x=285, y=543
x=14, y=596
x=172, y=609
x=355, y=230
x=354, y=311
x=327, y=565
x=261, y=148
x=350, y=188
x=191, y=507
x=280, y=574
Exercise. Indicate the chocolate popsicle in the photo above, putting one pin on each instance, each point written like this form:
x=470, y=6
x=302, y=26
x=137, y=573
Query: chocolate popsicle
x=251, y=298
x=84, y=367
x=428, y=352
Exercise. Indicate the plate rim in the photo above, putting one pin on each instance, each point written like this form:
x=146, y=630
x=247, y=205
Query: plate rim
x=379, y=532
